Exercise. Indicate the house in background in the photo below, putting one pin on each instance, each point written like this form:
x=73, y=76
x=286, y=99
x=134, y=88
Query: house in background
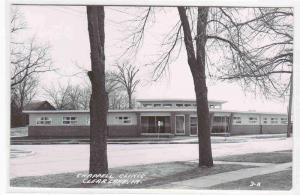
x=39, y=105
x=21, y=119
x=36, y=105
x=156, y=117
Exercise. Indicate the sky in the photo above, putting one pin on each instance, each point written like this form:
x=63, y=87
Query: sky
x=65, y=30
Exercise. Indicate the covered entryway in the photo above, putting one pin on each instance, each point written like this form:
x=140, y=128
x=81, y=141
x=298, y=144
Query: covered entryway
x=220, y=125
x=155, y=124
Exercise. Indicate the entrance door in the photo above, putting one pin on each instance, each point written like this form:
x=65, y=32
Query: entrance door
x=193, y=126
x=179, y=125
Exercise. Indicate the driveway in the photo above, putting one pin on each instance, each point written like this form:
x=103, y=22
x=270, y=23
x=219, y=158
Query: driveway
x=52, y=159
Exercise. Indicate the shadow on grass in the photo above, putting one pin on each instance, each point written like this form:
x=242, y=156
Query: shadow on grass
x=154, y=174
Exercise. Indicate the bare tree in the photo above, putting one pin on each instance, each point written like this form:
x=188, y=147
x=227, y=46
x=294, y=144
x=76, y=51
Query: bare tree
x=126, y=76
x=26, y=57
x=266, y=63
x=24, y=92
x=223, y=32
x=58, y=96
x=196, y=61
x=99, y=99
x=118, y=100
x=84, y=98
x=74, y=96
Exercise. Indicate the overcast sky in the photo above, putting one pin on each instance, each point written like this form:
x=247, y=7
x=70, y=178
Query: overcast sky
x=65, y=29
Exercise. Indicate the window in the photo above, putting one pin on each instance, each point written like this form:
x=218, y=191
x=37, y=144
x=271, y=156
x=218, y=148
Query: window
x=211, y=106
x=187, y=105
x=179, y=125
x=265, y=120
x=157, y=105
x=252, y=119
x=193, y=125
x=283, y=120
x=147, y=105
x=179, y=105
x=69, y=120
x=274, y=120
x=237, y=120
x=88, y=121
x=124, y=119
x=218, y=119
x=167, y=105
x=44, y=120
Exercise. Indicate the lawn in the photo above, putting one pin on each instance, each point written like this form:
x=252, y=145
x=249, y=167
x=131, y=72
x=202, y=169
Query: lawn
x=272, y=157
x=153, y=174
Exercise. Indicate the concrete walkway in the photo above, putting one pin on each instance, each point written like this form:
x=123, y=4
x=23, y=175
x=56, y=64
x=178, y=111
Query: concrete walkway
x=212, y=180
x=243, y=163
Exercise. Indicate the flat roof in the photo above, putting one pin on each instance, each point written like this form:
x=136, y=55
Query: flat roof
x=175, y=100
x=152, y=110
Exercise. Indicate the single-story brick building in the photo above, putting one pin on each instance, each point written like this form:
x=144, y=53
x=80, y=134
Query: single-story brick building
x=156, y=117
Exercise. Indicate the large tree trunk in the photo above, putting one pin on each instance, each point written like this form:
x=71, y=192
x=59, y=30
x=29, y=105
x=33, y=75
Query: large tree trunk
x=98, y=102
x=289, y=126
x=197, y=65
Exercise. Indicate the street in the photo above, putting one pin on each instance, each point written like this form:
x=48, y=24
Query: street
x=52, y=159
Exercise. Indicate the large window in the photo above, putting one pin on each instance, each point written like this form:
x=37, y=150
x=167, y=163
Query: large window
x=219, y=119
x=69, y=120
x=44, y=120
x=155, y=124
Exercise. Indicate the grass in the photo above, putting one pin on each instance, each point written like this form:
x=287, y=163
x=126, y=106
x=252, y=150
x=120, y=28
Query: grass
x=276, y=181
x=165, y=173
x=272, y=157
x=154, y=174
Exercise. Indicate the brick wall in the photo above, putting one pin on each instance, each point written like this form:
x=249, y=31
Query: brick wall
x=244, y=129
x=274, y=129
x=255, y=129
x=123, y=131
x=58, y=131
x=78, y=131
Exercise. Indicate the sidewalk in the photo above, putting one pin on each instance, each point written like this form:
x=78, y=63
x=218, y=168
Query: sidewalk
x=212, y=180
x=142, y=140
